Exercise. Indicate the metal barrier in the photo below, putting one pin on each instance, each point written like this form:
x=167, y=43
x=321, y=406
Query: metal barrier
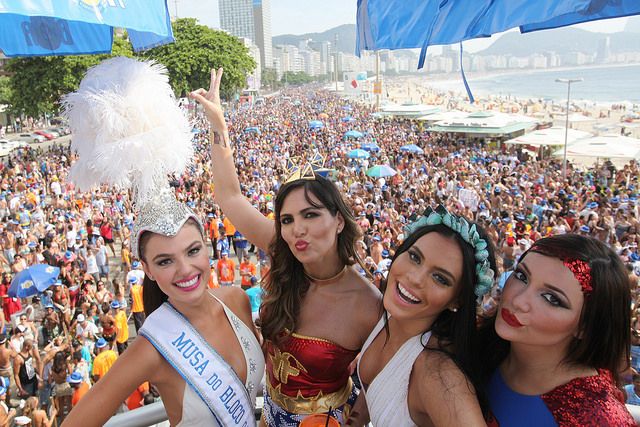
x=141, y=417
x=153, y=414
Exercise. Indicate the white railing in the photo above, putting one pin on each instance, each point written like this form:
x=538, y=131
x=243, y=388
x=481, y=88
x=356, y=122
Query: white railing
x=154, y=414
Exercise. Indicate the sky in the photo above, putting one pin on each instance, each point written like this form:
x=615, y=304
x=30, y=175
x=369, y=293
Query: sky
x=310, y=16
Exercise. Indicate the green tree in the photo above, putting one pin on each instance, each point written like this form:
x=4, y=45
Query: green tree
x=5, y=90
x=296, y=78
x=270, y=78
x=196, y=50
x=37, y=83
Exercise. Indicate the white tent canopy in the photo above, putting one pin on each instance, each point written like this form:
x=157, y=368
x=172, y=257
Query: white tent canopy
x=603, y=147
x=549, y=136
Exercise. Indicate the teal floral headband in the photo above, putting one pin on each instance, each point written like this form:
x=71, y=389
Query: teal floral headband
x=469, y=234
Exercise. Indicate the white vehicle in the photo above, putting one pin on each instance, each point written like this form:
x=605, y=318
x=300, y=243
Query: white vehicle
x=5, y=144
x=30, y=137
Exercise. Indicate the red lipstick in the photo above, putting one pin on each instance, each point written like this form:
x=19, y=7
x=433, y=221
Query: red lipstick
x=510, y=318
x=301, y=245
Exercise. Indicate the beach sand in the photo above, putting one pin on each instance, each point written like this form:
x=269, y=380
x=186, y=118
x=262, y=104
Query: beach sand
x=597, y=118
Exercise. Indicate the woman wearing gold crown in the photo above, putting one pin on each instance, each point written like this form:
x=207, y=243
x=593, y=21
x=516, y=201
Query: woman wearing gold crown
x=197, y=346
x=317, y=310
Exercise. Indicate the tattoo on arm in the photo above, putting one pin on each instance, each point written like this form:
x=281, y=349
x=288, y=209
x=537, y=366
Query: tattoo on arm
x=218, y=140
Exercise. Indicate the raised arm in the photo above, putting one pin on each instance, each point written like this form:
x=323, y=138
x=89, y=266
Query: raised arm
x=257, y=229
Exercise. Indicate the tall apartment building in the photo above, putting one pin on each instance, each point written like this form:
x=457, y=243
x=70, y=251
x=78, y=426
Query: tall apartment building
x=250, y=19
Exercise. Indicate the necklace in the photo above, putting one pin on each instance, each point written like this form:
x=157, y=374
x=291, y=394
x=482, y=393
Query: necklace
x=329, y=280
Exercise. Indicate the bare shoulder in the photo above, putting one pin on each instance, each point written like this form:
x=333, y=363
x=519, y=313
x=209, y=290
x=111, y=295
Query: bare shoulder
x=442, y=391
x=237, y=301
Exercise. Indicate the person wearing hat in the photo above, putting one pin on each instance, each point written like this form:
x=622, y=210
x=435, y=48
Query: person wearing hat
x=137, y=303
x=136, y=273
x=86, y=331
x=105, y=358
x=80, y=387
x=25, y=367
x=122, y=326
x=6, y=414
x=226, y=269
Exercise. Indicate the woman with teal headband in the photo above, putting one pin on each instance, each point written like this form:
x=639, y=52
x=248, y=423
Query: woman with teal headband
x=419, y=365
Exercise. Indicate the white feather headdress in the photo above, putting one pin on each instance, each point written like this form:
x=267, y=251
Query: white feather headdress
x=127, y=128
x=130, y=133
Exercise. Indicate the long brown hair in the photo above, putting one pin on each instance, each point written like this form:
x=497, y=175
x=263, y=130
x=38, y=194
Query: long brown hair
x=286, y=284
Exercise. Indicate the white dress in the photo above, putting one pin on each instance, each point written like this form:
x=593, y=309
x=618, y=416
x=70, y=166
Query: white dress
x=387, y=394
x=194, y=411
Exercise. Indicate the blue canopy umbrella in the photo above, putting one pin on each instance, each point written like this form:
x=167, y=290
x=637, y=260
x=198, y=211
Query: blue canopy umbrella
x=358, y=154
x=33, y=280
x=353, y=134
x=72, y=27
x=411, y=148
x=406, y=24
x=370, y=146
x=380, y=171
x=348, y=119
x=252, y=129
x=316, y=124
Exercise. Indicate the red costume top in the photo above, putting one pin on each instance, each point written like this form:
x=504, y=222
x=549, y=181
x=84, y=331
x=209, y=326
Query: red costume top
x=585, y=401
x=306, y=374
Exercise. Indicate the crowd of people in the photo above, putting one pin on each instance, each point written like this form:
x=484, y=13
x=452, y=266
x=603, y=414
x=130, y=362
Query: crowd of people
x=59, y=344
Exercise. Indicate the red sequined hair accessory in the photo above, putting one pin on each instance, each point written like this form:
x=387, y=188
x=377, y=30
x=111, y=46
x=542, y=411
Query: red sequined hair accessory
x=581, y=269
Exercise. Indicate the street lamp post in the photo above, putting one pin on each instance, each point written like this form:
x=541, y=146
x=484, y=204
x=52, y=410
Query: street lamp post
x=566, y=123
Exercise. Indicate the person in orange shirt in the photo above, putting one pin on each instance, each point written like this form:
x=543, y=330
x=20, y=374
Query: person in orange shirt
x=136, y=399
x=137, y=305
x=103, y=361
x=229, y=231
x=247, y=270
x=214, y=233
x=213, y=279
x=122, y=325
x=80, y=388
x=226, y=269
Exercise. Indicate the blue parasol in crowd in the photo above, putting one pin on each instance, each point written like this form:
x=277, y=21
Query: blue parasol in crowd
x=33, y=280
x=316, y=124
x=72, y=27
x=252, y=129
x=411, y=148
x=381, y=171
x=353, y=134
x=370, y=146
x=348, y=119
x=358, y=154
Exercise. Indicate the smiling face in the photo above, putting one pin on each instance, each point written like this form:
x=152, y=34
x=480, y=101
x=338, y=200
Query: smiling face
x=541, y=304
x=424, y=280
x=310, y=232
x=179, y=264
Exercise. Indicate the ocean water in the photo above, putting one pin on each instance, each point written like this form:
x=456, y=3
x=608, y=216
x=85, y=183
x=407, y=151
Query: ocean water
x=601, y=84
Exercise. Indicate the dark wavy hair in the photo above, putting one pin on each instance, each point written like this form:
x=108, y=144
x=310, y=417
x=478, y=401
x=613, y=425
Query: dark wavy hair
x=604, y=340
x=457, y=331
x=152, y=295
x=286, y=284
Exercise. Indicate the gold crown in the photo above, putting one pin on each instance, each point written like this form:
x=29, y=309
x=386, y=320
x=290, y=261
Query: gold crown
x=305, y=169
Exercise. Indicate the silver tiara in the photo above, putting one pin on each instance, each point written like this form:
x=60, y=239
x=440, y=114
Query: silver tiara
x=162, y=214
